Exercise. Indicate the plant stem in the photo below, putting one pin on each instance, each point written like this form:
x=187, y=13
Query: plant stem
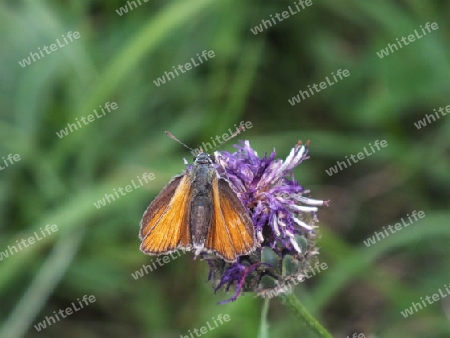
x=264, y=327
x=294, y=304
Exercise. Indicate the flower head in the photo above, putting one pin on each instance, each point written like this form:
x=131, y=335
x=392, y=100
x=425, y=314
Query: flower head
x=283, y=217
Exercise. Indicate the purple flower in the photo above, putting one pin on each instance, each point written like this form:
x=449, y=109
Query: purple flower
x=283, y=217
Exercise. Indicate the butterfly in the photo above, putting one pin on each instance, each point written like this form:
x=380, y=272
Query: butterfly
x=198, y=211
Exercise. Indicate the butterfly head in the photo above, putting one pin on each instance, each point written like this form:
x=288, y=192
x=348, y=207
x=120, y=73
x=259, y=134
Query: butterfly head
x=204, y=158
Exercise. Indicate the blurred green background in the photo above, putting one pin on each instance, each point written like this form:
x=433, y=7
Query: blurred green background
x=251, y=77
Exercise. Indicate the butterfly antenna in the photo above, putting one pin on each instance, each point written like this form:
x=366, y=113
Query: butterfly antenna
x=174, y=138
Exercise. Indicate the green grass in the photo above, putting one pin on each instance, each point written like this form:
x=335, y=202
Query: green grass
x=251, y=77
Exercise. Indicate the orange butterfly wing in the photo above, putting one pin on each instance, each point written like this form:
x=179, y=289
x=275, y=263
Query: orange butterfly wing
x=231, y=231
x=165, y=223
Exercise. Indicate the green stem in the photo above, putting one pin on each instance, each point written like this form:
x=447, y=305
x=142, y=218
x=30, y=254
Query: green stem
x=297, y=308
x=264, y=327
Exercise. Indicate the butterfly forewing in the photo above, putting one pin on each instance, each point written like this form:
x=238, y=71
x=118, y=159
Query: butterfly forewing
x=231, y=231
x=163, y=226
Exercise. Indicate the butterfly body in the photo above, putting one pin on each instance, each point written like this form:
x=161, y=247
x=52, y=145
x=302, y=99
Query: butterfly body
x=201, y=208
x=199, y=211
